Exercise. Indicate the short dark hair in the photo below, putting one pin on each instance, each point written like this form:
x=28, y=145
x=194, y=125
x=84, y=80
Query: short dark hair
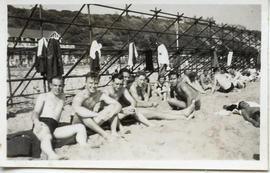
x=93, y=75
x=141, y=73
x=124, y=70
x=173, y=73
x=58, y=78
x=117, y=76
x=216, y=69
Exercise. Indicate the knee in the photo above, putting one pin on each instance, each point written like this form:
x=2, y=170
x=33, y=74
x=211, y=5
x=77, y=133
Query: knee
x=81, y=128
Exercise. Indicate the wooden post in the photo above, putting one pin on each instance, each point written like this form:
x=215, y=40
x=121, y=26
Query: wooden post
x=41, y=33
x=9, y=77
x=89, y=22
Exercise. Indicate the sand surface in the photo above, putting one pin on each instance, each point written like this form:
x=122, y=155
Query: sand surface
x=206, y=137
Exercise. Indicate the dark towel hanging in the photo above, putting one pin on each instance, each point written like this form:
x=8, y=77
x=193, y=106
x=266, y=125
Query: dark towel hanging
x=149, y=60
x=54, y=60
x=94, y=63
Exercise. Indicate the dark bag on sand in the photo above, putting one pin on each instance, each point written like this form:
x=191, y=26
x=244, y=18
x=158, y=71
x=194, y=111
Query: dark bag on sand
x=23, y=144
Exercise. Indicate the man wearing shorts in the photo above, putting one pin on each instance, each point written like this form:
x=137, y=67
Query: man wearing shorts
x=118, y=92
x=87, y=105
x=224, y=82
x=46, y=116
x=182, y=94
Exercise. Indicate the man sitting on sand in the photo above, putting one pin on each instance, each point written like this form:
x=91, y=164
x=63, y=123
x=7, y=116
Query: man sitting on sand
x=224, y=82
x=206, y=80
x=46, y=116
x=191, y=79
x=182, y=94
x=151, y=112
x=137, y=90
x=118, y=92
x=89, y=106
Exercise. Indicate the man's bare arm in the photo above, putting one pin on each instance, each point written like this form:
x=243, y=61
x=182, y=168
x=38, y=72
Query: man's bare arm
x=214, y=85
x=38, y=107
x=79, y=109
x=134, y=93
x=128, y=96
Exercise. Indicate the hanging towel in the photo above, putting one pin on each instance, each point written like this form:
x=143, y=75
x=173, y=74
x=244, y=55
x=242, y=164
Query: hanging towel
x=149, y=60
x=41, y=42
x=54, y=60
x=229, y=58
x=94, y=63
x=95, y=46
x=163, y=56
x=215, y=60
x=132, y=54
x=41, y=58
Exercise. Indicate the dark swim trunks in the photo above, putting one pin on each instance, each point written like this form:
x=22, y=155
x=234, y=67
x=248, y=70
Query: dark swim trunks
x=226, y=90
x=50, y=122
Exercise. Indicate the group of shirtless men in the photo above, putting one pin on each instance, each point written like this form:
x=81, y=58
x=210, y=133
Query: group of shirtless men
x=123, y=98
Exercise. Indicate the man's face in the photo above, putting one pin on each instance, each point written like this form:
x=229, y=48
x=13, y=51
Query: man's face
x=141, y=80
x=126, y=77
x=173, y=80
x=117, y=84
x=205, y=72
x=91, y=84
x=57, y=87
x=162, y=80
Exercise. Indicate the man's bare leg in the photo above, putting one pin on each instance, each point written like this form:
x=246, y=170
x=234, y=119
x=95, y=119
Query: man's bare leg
x=177, y=103
x=70, y=130
x=168, y=115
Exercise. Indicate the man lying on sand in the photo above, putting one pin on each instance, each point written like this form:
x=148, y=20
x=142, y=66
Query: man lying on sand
x=89, y=106
x=182, y=94
x=224, y=82
x=249, y=110
x=46, y=116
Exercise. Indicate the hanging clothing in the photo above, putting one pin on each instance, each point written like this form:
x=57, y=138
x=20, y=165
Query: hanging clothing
x=149, y=60
x=41, y=58
x=94, y=63
x=132, y=54
x=215, y=60
x=54, y=60
x=95, y=55
x=229, y=58
x=41, y=42
x=95, y=47
x=163, y=56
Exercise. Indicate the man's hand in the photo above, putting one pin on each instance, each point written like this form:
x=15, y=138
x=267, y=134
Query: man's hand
x=129, y=110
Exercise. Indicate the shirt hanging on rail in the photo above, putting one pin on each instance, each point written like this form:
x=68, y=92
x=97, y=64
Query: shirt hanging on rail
x=163, y=56
x=132, y=54
x=229, y=58
x=95, y=55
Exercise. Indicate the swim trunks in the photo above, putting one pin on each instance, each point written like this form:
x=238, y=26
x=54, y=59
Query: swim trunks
x=226, y=90
x=50, y=122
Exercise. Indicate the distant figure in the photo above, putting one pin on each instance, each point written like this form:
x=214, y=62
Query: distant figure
x=223, y=80
x=205, y=80
x=162, y=88
x=191, y=79
x=46, y=116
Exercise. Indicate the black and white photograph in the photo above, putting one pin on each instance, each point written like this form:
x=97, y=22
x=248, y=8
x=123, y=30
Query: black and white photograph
x=166, y=85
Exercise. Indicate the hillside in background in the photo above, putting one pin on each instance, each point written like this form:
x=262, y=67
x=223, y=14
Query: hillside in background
x=112, y=39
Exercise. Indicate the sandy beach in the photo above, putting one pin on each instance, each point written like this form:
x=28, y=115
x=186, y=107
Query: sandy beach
x=206, y=137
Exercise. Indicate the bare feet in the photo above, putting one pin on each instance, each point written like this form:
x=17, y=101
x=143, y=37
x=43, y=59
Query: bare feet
x=190, y=109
